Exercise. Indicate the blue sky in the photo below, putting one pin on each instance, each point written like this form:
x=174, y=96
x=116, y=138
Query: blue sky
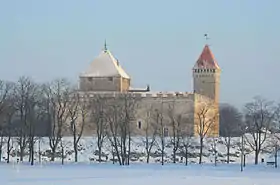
x=156, y=41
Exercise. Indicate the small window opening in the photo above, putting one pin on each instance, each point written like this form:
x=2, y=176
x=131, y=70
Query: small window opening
x=165, y=132
x=139, y=124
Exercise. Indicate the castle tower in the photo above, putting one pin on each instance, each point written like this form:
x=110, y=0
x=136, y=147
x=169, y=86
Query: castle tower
x=206, y=75
x=105, y=74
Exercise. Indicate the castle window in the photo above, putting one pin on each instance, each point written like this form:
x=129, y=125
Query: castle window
x=90, y=79
x=139, y=124
x=110, y=79
x=165, y=132
x=213, y=70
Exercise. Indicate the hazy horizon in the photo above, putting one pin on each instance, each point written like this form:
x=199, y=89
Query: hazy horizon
x=156, y=42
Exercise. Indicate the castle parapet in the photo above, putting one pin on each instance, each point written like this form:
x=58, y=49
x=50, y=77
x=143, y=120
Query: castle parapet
x=138, y=94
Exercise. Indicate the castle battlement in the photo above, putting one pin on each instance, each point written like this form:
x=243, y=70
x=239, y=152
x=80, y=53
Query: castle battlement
x=138, y=94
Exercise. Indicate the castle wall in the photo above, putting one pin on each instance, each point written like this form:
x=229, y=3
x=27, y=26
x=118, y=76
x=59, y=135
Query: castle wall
x=125, y=84
x=168, y=105
x=149, y=108
x=100, y=84
x=206, y=116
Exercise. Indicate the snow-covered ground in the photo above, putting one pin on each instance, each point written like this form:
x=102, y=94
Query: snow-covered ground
x=88, y=151
x=137, y=174
x=88, y=171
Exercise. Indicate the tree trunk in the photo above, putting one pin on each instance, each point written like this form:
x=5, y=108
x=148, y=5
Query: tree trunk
x=39, y=150
x=1, y=146
x=162, y=150
x=186, y=156
x=228, y=150
x=99, y=153
x=30, y=150
x=32, y=154
x=53, y=154
x=76, y=152
x=174, y=155
x=275, y=156
x=129, y=148
x=162, y=158
x=148, y=158
x=62, y=156
x=244, y=160
x=200, y=150
x=75, y=145
x=256, y=157
x=118, y=154
x=8, y=156
x=21, y=153
x=113, y=157
x=8, y=149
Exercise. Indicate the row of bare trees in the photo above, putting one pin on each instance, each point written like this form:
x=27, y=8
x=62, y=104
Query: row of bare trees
x=259, y=124
x=25, y=105
x=29, y=111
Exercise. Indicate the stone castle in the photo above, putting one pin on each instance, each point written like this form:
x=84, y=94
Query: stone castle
x=198, y=108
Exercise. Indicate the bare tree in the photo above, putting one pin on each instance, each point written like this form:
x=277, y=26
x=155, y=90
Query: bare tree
x=230, y=121
x=176, y=123
x=9, y=118
x=259, y=115
x=57, y=97
x=9, y=131
x=36, y=114
x=63, y=152
x=274, y=141
x=113, y=132
x=121, y=114
x=4, y=91
x=205, y=119
x=78, y=108
x=186, y=138
x=273, y=145
x=1, y=140
x=24, y=92
x=151, y=131
x=98, y=115
x=159, y=120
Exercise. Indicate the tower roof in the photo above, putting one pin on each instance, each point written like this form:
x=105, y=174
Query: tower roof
x=105, y=65
x=206, y=59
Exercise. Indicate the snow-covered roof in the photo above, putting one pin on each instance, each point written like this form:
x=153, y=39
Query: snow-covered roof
x=105, y=65
x=206, y=59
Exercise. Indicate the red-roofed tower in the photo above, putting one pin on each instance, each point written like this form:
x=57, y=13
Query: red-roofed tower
x=206, y=75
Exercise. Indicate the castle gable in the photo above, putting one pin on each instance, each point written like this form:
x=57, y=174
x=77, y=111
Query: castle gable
x=105, y=65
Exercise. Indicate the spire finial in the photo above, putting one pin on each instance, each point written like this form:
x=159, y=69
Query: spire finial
x=105, y=45
x=206, y=38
